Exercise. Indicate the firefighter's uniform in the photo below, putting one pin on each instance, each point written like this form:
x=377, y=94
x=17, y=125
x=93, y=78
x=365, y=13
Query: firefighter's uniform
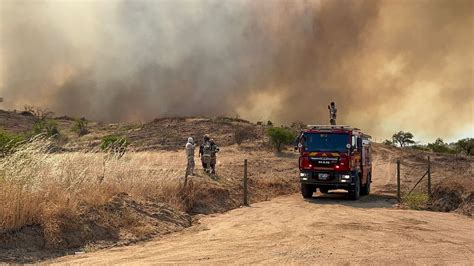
x=208, y=151
x=332, y=113
x=190, y=156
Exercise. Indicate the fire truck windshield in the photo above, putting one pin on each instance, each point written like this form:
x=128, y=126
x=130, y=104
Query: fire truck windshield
x=326, y=142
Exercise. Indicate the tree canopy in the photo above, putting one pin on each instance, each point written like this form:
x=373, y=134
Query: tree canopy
x=403, y=138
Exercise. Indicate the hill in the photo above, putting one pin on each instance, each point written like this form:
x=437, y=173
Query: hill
x=80, y=191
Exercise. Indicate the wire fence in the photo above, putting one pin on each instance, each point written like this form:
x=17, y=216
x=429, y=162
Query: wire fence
x=426, y=176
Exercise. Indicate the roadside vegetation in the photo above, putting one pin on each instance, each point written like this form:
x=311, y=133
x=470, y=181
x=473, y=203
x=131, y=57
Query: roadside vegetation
x=114, y=143
x=8, y=142
x=47, y=127
x=243, y=133
x=280, y=136
x=72, y=199
x=416, y=201
x=80, y=127
x=406, y=140
x=50, y=190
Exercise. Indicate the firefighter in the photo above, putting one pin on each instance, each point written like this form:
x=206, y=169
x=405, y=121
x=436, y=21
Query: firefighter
x=214, y=151
x=332, y=113
x=190, y=146
x=205, y=153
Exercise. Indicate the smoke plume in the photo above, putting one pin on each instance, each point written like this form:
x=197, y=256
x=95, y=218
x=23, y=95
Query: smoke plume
x=388, y=65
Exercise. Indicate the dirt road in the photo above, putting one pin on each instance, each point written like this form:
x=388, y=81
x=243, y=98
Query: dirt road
x=323, y=230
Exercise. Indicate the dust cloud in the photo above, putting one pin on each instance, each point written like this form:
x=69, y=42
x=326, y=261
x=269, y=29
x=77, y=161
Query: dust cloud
x=388, y=65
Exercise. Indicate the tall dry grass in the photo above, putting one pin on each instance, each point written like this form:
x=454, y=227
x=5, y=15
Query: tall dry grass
x=40, y=187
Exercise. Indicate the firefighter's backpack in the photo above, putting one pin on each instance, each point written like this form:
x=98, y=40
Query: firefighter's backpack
x=206, y=151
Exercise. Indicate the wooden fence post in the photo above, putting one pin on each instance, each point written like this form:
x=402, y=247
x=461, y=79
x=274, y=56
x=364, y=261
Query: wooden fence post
x=398, y=180
x=429, y=176
x=246, y=203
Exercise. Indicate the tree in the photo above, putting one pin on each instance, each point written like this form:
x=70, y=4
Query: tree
x=440, y=146
x=280, y=136
x=465, y=145
x=403, y=138
x=387, y=142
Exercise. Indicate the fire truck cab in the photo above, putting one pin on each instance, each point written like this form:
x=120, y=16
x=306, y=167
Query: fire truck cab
x=334, y=157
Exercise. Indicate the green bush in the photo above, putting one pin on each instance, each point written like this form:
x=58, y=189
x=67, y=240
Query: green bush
x=465, y=145
x=114, y=144
x=440, y=147
x=47, y=127
x=80, y=127
x=416, y=201
x=8, y=141
x=280, y=136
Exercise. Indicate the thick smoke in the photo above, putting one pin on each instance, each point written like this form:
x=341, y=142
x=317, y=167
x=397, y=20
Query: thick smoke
x=389, y=65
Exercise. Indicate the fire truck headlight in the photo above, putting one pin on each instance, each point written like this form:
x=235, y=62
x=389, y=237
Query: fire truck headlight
x=346, y=177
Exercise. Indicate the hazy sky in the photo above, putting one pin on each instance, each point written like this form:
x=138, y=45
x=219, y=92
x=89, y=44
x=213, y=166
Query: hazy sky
x=389, y=65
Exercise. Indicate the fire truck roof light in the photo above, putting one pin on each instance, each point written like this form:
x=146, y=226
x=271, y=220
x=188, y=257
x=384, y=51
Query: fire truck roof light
x=327, y=128
x=332, y=127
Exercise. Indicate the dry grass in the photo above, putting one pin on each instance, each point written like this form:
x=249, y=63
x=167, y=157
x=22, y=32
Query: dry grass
x=36, y=186
x=63, y=193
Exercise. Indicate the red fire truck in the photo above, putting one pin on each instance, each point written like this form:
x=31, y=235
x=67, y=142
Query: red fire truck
x=335, y=157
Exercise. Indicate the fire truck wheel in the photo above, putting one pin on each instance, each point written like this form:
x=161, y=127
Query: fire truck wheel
x=366, y=189
x=354, y=193
x=307, y=191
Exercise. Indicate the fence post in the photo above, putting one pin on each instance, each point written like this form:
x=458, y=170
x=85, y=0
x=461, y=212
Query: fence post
x=398, y=180
x=429, y=176
x=246, y=203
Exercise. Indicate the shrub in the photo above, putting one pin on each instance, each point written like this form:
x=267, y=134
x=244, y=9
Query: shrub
x=39, y=113
x=242, y=133
x=387, y=142
x=8, y=142
x=114, y=144
x=280, y=136
x=47, y=127
x=465, y=145
x=80, y=127
x=440, y=146
x=416, y=201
